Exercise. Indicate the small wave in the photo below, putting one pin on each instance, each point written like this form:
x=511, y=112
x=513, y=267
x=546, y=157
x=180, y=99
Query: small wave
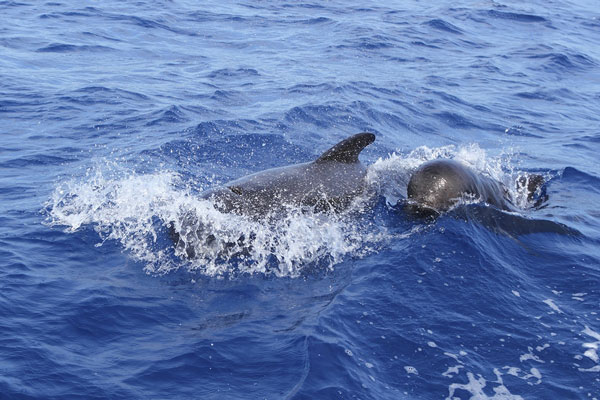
x=589, y=138
x=537, y=95
x=112, y=92
x=37, y=159
x=573, y=175
x=170, y=115
x=420, y=43
x=564, y=61
x=310, y=6
x=150, y=24
x=455, y=120
x=324, y=116
x=228, y=73
x=519, y=17
x=16, y=106
x=12, y=4
x=101, y=95
x=549, y=95
x=375, y=42
x=310, y=114
x=58, y=15
x=71, y=48
x=229, y=97
x=318, y=20
x=97, y=36
x=442, y=25
x=307, y=88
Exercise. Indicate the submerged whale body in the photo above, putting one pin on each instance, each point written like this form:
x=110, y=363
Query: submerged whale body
x=438, y=185
x=329, y=183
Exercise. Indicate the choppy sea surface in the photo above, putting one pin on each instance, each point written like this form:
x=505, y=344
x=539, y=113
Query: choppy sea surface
x=115, y=115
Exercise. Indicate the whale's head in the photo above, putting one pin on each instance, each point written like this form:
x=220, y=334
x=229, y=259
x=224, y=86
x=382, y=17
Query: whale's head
x=437, y=185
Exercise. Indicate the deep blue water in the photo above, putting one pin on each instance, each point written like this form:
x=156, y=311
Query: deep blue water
x=114, y=115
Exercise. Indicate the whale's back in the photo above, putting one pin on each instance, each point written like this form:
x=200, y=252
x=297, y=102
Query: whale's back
x=309, y=184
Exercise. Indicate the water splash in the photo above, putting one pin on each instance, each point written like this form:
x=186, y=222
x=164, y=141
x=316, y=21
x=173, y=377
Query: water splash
x=139, y=210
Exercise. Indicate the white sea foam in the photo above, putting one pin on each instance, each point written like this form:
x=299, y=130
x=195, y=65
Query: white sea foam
x=591, y=350
x=452, y=371
x=530, y=356
x=475, y=387
x=137, y=210
x=411, y=370
x=553, y=306
x=534, y=373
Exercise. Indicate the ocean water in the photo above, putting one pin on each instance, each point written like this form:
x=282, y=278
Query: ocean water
x=115, y=115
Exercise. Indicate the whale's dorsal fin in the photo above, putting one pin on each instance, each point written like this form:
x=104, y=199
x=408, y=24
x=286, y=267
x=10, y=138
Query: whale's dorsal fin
x=347, y=150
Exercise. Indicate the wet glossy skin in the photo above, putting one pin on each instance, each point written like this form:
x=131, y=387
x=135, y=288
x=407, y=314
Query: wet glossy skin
x=437, y=185
x=322, y=185
x=330, y=182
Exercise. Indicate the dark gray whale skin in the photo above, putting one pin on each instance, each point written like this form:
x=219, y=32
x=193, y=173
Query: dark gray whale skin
x=437, y=185
x=330, y=182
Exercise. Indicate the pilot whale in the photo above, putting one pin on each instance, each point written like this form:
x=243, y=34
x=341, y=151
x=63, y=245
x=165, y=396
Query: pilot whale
x=439, y=184
x=332, y=181
x=329, y=183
